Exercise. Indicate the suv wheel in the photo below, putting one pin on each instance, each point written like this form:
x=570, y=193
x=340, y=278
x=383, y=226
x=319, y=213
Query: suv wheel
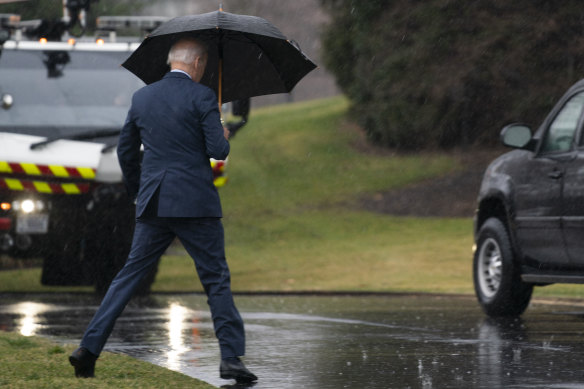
x=497, y=278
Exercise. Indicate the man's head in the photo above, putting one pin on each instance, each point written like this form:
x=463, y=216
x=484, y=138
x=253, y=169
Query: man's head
x=189, y=55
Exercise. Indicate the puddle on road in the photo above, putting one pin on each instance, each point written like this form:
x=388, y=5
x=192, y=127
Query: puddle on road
x=333, y=341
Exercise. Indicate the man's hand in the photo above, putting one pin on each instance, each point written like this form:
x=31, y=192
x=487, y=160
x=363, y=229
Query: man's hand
x=226, y=133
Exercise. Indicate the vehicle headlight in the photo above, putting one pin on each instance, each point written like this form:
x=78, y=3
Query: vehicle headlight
x=28, y=205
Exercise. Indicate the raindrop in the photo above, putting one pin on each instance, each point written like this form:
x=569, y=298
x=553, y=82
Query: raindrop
x=517, y=355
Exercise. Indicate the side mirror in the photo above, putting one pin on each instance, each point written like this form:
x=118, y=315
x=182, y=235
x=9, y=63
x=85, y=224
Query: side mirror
x=517, y=136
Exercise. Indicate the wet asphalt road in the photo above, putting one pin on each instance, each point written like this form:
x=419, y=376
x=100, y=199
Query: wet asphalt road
x=334, y=341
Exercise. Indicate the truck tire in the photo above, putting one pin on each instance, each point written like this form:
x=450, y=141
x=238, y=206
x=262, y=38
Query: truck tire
x=109, y=245
x=63, y=263
x=108, y=257
x=63, y=266
x=110, y=260
x=496, y=275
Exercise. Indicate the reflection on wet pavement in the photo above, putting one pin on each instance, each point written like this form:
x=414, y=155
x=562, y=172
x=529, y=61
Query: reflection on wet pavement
x=333, y=341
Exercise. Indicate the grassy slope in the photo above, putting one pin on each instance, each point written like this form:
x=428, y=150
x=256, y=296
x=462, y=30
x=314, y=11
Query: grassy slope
x=290, y=223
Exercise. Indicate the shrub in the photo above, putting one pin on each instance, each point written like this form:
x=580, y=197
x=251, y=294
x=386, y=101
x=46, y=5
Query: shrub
x=445, y=73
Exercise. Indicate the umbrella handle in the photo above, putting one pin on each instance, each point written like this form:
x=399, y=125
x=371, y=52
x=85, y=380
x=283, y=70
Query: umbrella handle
x=220, y=86
x=220, y=81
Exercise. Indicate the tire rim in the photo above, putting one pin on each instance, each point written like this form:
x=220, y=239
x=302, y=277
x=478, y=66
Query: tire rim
x=489, y=267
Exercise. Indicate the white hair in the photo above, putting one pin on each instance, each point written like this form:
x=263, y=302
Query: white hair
x=179, y=52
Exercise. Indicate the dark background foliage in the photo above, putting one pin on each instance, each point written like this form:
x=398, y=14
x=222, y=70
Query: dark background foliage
x=53, y=9
x=445, y=73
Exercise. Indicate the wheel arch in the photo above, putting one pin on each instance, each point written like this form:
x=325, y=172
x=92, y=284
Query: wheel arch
x=495, y=206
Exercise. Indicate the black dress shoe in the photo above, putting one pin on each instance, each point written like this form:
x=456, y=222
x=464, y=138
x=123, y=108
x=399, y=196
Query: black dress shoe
x=84, y=362
x=234, y=368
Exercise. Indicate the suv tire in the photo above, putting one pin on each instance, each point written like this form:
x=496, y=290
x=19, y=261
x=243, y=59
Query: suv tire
x=497, y=279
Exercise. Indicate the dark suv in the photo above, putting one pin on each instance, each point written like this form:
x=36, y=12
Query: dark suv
x=529, y=226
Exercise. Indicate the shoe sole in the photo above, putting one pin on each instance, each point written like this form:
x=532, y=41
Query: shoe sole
x=226, y=375
x=82, y=371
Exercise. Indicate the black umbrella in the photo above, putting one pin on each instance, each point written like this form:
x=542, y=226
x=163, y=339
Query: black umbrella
x=248, y=56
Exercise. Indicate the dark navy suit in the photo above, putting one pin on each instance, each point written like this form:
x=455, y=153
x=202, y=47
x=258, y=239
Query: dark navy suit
x=178, y=123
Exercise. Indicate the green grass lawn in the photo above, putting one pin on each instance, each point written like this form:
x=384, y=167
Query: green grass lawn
x=290, y=216
x=350, y=251
x=292, y=222
x=35, y=363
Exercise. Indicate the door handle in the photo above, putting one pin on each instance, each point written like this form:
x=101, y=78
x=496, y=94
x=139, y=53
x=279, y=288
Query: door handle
x=555, y=174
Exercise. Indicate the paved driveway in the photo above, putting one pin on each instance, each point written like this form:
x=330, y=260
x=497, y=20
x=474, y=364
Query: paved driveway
x=335, y=341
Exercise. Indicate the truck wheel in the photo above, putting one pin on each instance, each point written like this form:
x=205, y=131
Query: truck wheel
x=63, y=262
x=108, y=262
x=109, y=246
x=55, y=270
x=111, y=260
x=62, y=265
x=497, y=279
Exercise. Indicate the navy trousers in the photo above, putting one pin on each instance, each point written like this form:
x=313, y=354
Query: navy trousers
x=204, y=241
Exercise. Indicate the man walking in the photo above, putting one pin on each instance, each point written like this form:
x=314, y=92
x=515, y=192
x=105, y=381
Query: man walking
x=177, y=121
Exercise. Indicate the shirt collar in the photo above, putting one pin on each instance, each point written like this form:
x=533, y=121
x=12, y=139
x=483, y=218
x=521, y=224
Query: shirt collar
x=181, y=71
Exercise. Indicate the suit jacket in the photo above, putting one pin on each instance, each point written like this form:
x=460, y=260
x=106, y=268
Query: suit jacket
x=178, y=122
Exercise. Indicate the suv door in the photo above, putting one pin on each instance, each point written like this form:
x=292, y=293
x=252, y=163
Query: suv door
x=573, y=198
x=539, y=209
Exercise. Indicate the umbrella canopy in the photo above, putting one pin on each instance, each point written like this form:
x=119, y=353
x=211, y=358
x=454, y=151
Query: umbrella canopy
x=248, y=56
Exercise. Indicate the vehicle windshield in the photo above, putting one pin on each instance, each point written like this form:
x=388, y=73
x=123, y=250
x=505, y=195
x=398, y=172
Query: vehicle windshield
x=60, y=93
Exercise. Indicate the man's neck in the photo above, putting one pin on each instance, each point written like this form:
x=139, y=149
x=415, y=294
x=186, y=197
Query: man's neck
x=182, y=71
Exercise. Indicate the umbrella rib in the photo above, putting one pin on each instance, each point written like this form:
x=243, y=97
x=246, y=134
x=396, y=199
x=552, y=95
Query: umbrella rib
x=263, y=51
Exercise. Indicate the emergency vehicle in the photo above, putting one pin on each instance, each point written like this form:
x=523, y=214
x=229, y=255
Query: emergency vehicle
x=64, y=100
